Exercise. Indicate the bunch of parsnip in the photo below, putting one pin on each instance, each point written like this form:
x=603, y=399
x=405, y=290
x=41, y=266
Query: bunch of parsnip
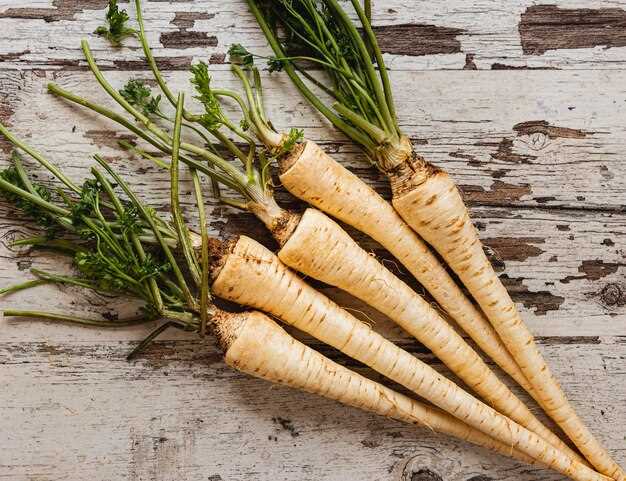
x=121, y=246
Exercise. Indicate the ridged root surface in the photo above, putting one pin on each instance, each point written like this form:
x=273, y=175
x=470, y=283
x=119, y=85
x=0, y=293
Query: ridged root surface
x=436, y=211
x=252, y=275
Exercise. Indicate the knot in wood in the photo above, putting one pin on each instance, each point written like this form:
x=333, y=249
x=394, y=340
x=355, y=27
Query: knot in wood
x=424, y=474
x=613, y=294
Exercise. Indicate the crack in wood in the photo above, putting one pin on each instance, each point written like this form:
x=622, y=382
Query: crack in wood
x=501, y=66
x=551, y=131
x=7, y=57
x=549, y=27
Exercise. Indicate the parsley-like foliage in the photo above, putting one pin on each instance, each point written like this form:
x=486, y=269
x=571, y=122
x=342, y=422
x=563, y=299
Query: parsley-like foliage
x=201, y=80
x=139, y=95
x=238, y=54
x=116, y=30
x=38, y=214
x=295, y=137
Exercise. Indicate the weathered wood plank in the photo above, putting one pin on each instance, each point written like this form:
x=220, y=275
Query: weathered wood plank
x=559, y=261
x=538, y=155
x=78, y=411
x=506, y=143
x=432, y=35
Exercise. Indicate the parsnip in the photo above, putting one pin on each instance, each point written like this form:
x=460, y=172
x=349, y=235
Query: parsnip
x=246, y=265
x=111, y=256
x=254, y=184
x=313, y=176
x=363, y=108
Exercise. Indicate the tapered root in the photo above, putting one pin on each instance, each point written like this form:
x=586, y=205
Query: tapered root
x=257, y=346
x=434, y=209
x=313, y=176
x=321, y=249
x=252, y=275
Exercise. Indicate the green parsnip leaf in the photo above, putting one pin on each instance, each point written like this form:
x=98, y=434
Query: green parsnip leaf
x=38, y=214
x=139, y=95
x=116, y=30
x=240, y=55
x=212, y=117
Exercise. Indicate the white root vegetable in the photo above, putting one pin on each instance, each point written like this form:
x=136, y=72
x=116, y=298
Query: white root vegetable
x=313, y=176
x=252, y=275
x=430, y=202
x=321, y=249
x=426, y=198
x=256, y=345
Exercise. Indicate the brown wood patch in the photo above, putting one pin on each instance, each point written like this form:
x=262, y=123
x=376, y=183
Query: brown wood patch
x=515, y=248
x=418, y=39
x=551, y=131
x=63, y=10
x=540, y=301
x=184, y=20
x=500, y=193
x=594, y=270
x=185, y=39
x=548, y=27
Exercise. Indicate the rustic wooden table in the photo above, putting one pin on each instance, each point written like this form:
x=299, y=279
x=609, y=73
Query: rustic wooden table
x=524, y=104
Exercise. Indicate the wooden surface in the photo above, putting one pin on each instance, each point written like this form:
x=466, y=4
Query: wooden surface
x=525, y=104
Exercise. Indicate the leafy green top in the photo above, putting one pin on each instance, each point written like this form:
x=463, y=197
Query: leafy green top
x=116, y=30
x=240, y=55
x=39, y=215
x=139, y=95
x=201, y=80
x=302, y=32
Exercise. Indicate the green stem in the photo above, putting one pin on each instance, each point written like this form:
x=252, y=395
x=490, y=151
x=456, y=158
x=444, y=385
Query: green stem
x=71, y=280
x=149, y=340
x=136, y=240
x=347, y=129
x=379, y=135
x=267, y=135
x=35, y=199
x=165, y=88
x=43, y=241
x=177, y=216
x=153, y=128
x=150, y=58
x=19, y=167
x=365, y=15
x=148, y=217
x=23, y=286
x=150, y=284
x=51, y=316
x=36, y=155
x=57, y=90
x=142, y=153
x=237, y=178
x=205, y=296
x=369, y=67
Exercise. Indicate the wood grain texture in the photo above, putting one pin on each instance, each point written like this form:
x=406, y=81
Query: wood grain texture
x=537, y=147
